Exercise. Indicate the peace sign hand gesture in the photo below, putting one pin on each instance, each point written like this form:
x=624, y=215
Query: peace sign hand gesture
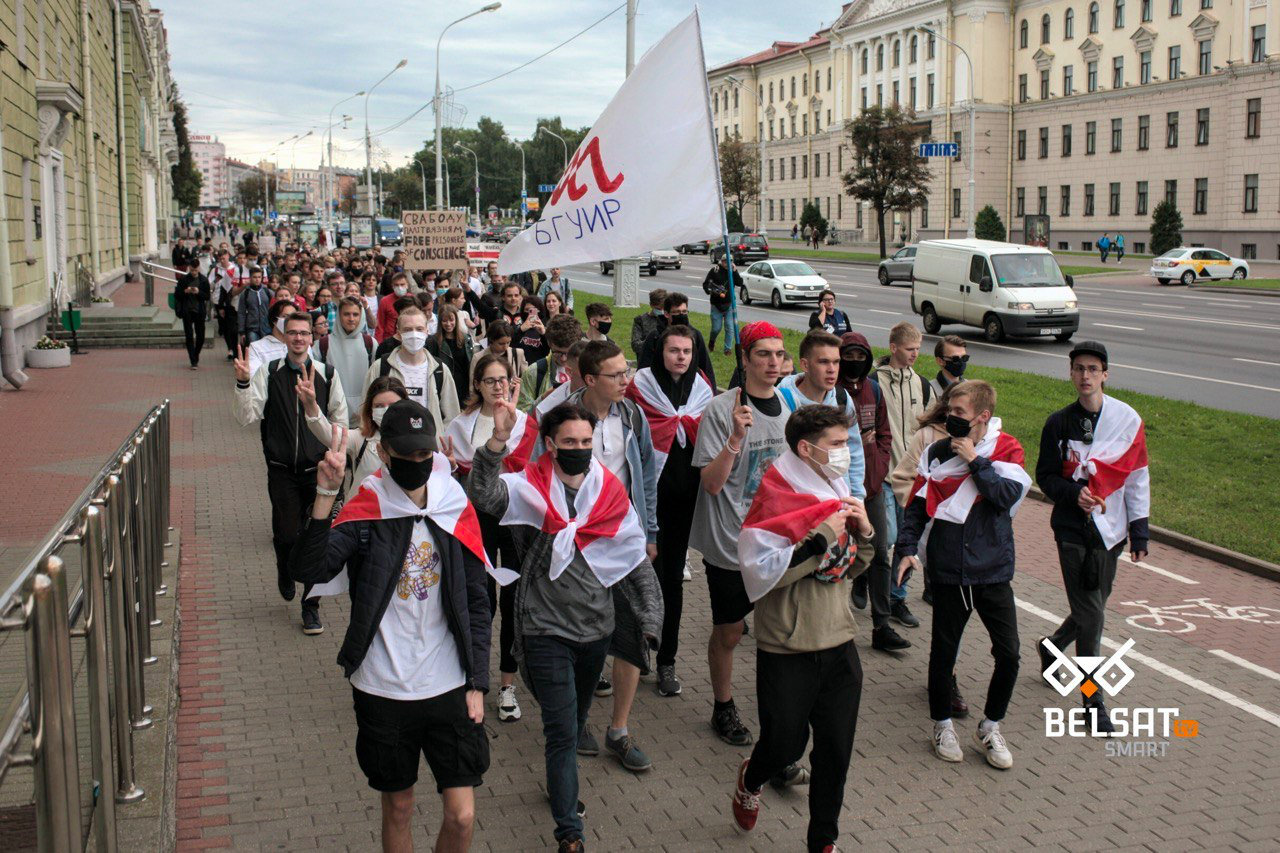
x=306, y=390
x=333, y=467
x=241, y=364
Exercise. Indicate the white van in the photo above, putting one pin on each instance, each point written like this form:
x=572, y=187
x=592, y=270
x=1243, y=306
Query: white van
x=1001, y=288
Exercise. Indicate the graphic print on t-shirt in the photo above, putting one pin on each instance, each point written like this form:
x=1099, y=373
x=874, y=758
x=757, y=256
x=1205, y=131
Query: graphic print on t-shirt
x=419, y=572
x=758, y=461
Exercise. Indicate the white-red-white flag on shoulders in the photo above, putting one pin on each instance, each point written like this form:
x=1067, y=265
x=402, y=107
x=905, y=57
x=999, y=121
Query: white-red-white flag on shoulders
x=1115, y=467
x=519, y=445
x=947, y=487
x=667, y=424
x=646, y=176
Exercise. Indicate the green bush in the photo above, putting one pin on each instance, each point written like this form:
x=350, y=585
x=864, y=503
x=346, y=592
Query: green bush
x=988, y=225
x=1166, y=228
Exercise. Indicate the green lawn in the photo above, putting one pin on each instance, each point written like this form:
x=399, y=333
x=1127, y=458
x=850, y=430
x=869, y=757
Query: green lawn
x=1256, y=283
x=1073, y=269
x=782, y=246
x=1200, y=457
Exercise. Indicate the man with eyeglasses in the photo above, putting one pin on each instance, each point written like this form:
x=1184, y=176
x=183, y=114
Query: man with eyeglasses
x=1093, y=466
x=271, y=395
x=548, y=372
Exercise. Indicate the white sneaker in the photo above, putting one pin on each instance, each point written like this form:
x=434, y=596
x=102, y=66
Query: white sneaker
x=688, y=572
x=508, y=707
x=993, y=746
x=945, y=743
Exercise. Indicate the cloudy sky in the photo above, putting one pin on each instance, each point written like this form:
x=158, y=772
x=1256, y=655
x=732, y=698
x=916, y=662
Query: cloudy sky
x=256, y=72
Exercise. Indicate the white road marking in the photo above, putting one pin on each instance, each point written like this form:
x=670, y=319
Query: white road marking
x=1247, y=664
x=1168, y=671
x=1256, y=361
x=1145, y=565
x=1184, y=318
x=1126, y=328
x=879, y=311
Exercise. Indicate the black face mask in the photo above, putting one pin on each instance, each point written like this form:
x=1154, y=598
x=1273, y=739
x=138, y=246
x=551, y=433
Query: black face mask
x=603, y=328
x=956, y=365
x=573, y=461
x=407, y=474
x=679, y=319
x=854, y=370
x=958, y=427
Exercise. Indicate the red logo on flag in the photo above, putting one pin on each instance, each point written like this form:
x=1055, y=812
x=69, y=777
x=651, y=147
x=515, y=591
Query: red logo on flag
x=602, y=179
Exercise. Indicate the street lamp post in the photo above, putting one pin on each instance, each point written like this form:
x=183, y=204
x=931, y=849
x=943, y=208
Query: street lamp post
x=477, y=159
x=329, y=182
x=448, y=201
x=524, y=188
x=368, y=148
x=565, y=167
x=760, y=133
x=435, y=103
x=423, y=170
x=973, y=101
x=326, y=178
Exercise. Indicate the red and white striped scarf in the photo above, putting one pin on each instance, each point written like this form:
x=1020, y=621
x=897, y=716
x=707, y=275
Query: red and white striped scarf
x=1116, y=462
x=519, y=445
x=948, y=488
x=667, y=424
x=606, y=530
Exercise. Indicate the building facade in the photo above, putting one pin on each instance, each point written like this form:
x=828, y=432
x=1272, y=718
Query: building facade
x=86, y=145
x=1086, y=112
x=210, y=158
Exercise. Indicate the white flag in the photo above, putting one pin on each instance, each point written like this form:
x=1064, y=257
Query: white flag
x=645, y=177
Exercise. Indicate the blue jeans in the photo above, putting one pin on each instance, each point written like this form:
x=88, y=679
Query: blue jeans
x=563, y=677
x=720, y=321
x=893, y=520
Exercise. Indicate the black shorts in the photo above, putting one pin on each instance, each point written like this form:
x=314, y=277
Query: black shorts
x=391, y=733
x=729, y=601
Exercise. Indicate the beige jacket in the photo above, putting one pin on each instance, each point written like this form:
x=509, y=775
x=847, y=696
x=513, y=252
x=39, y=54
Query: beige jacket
x=903, y=391
x=904, y=473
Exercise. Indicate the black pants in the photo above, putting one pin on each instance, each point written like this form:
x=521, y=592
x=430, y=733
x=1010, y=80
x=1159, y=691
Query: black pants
x=1083, y=624
x=995, y=606
x=498, y=539
x=879, y=576
x=291, y=495
x=818, y=690
x=675, y=519
x=193, y=331
x=230, y=335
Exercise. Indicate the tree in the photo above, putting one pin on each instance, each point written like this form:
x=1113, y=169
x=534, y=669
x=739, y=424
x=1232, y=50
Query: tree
x=734, y=220
x=184, y=174
x=887, y=171
x=1166, y=228
x=249, y=191
x=739, y=173
x=988, y=225
x=812, y=219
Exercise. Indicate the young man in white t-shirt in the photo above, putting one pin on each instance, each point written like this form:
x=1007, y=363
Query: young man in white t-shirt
x=419, y=673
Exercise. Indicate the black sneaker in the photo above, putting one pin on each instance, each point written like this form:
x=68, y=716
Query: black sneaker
x=789, y=777
x=582, y=809
x=311, y=624
x=668, y=684
x=286, y=586
x=860, y=592
x=604, y=687
x=902, y=614
x=885, y=639
x=729, y=726
x=1099, y=718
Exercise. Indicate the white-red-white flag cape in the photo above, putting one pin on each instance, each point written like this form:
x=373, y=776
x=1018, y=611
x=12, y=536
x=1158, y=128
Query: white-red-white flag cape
x=549, y=401
x=380, y=498
x=1114, y=464
x=949, y=490
x=667, y=424
x=791, y=501
x=607, y=530
x=646, y=175
x=519, y=446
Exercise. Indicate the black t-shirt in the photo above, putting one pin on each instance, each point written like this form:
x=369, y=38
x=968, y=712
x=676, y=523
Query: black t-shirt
x=770, y=406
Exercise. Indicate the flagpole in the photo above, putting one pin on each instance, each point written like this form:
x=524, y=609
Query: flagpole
x=724, y=220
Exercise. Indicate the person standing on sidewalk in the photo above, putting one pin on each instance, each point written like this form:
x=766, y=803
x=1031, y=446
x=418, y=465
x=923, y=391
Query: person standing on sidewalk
x=799, y=543
x=672, y=395
x=416, y=650
x=739, y=436
x=716, y=286
x=1093, y=466
x=1104, y=246
x=586, y=551
x=191, y=303
x=970, y=487
x=271, y=398
x=648, y=323
x=1119, y=247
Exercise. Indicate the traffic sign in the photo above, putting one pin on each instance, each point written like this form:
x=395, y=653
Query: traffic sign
x=939, y=149
x=546, y=188
x=524, y=193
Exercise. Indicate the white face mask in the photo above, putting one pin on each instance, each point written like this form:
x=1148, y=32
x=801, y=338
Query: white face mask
x=838, y=461
x=377, y=413
x=280, y=322
x=413, y=341
x=401, y=290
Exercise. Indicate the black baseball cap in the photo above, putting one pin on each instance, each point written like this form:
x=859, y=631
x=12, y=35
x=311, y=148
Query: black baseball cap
x=408, y=427
x=1089, y=348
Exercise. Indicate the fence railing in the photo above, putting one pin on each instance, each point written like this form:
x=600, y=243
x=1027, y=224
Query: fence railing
x=119, y=526
x=151, y=272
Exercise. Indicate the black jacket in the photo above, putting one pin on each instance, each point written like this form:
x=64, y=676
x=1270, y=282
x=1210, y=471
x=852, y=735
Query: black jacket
x=286, y=440
x=701, y=355
x=716, y=286
x=191, y=304
x=373, y=554
x=979, y=551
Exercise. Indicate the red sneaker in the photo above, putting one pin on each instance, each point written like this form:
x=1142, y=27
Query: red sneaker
x=746, y=803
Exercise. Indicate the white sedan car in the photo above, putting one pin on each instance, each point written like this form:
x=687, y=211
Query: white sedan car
x=666, y=258
x=781, y=282
x=1191, y=264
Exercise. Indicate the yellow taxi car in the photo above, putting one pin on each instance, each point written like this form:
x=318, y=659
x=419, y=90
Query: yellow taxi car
x=1190, y=264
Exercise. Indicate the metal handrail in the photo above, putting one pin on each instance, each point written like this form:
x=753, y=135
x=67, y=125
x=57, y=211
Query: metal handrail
x=149, y=280
x=120, y=522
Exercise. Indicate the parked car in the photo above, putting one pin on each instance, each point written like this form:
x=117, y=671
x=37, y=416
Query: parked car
x=746, y=249
x=508, y=233
x=1192, y=264
x=666, y=258
x=648, y=264
x=1001, y=288
x=898, y=266
x=491, y=235
x=781, y=282
x=701, y=247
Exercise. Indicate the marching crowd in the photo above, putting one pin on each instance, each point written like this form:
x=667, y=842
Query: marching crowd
x=455, y=448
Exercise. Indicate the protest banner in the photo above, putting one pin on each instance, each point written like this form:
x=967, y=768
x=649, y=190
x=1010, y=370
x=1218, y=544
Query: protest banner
x=435, y=240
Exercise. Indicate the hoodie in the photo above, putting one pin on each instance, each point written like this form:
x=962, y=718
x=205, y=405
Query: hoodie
x=906, y=397
x=350, y=354
x=873, y=417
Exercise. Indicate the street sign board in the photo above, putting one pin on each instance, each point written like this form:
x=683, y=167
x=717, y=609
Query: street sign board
x=533, y=204
x=361, y=231
x=290, y=201
x=435, y=239
x=546, y=188
x=524, y=193
x=939, y=149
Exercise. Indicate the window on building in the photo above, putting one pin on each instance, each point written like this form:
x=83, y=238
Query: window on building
x=1022, y=88
x=1044, y=85
x=770, y=210
x=804, y=125
x=817, y=165
x=863, y=63
x=1202, y=126
x=931, y=47
x=735, y=98
x=1175, y=62
x=804, y=165
x=1249, y=251
x=1171, y=192
x=1069, y=24
x=1205, y=64
x=1066, y=140
x=1144, y=67
x=1064, y=200
x=771, y=171
x=913, y=50
x=804, y=84
x=929, y=92
x=879, y=94
x=1201, y=204
x=958, y=139
x=1042, y=201
x=793, y=168
x=1044, y=29
x=1175, y=8
x=1140, y=202
x=793, y=88
x=1171, y=130
x=715, y=103
x=1258, y=37
x=1022, y=145
x=828, y=79
x=1044, y=142
x=924, y=214
x=1113, y=203
x=793, y=125
x=1091, y=76
x=1253, y=118
x=1093, y=18
x=1090, y=137
x=896, y=92
x=1068, y=80
x=793, y=208
x=1023, y=30
x=955, y=204
x=1020, y=202
x=1251, y=193
x=880, y=57
x=864, y=97
x=1144, y=132
x=858, y=214
x=911, y=93
x=1146, y=10
x=1117, y=134
x=1117, y=72
x=897, y=54
x=771, y=91
x=1119, y=15
x=1088, y=199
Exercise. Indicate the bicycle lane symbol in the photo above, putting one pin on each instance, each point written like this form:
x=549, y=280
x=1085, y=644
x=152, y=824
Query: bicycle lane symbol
x=1177, y=618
